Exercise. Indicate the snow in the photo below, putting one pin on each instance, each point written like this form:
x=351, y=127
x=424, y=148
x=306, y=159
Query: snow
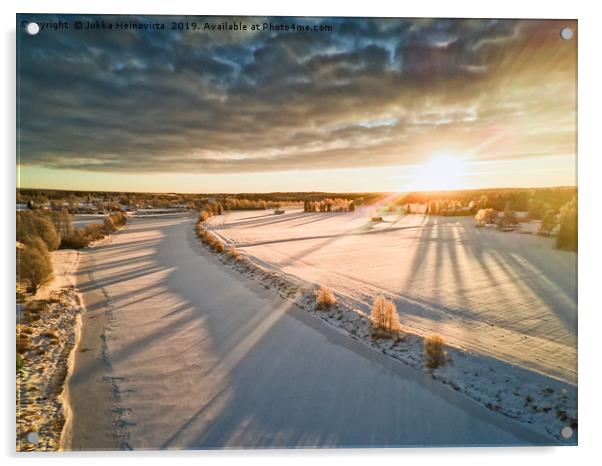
x=200, y=356
x=509, y=296
x=64, y=264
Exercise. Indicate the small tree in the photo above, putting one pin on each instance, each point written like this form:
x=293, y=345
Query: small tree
x=384, y=315
x=434, y=353
x=509, y=219
x=62, y=223
x=567, y=235
x=485, y=216
x=33, y=263
x=548, y=222
x=325, y=299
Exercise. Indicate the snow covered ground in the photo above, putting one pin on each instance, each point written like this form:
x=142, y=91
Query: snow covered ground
x=64, y=265
x=509, y=296
x=199, y=356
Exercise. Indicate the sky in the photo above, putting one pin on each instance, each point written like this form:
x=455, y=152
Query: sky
x=365, y=105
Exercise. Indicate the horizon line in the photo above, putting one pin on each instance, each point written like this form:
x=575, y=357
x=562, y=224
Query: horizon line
x=223, y=193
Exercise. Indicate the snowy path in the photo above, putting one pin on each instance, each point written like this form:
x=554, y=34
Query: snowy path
x=201, y=358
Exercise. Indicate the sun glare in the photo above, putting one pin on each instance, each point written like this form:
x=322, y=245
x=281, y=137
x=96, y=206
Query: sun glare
x=440, y=173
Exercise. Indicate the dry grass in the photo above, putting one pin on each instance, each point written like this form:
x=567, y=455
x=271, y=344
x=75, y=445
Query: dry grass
x=434, y=354
x=325, y=299
x=384, y=317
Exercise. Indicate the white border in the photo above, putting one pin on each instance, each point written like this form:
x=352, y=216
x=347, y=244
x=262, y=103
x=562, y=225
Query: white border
x=590, y=229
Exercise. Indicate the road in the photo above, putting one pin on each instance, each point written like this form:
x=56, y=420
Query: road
x=177, y=351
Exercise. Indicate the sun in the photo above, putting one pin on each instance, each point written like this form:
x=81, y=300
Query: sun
x=441, y=172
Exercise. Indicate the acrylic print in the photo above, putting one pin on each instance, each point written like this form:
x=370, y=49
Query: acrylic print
x=242, y=232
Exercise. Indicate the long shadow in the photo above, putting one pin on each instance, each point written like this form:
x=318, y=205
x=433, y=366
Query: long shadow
x=84, y=374
x=271, y=214
x=383, y=231
x=258, y=222
x=516, y=272
x=119, y=247
x=314, y=220
x=545, y=293
x=119, y=278
x=109, y=264
x=424, y=241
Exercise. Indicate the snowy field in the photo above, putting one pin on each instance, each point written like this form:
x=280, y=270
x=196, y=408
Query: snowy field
x=511, y=296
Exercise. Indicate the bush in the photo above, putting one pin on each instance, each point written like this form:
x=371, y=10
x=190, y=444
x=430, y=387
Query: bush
x=434, y=353
x=233, y=252
x=384, y=316
x=108, y=226
x=75, y=240
x=217, y=245
x=118, y=218
x=485, y=216
x=34, y=265
x=325, y=299
x=208, y=238
x=94, y=231
x=205, y=216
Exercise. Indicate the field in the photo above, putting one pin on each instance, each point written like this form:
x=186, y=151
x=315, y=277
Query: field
x=510, y=296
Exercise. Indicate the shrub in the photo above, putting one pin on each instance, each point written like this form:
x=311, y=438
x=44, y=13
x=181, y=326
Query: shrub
x=94, y=231
x=384, y=315
x=205, y=216
x=34, y=265
x=216, y=245
x=485, y=216
x=325, y=299
x=434, y=353
x=118, y=218
x=108, y=226
x=208, y=238
x=75, y=240
x=233, y=252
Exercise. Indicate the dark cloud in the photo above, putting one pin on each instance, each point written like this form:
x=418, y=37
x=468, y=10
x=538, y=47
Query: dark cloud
x=372, y=92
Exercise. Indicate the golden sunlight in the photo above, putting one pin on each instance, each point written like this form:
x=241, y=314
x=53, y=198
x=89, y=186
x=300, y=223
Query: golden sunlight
x=440, y=173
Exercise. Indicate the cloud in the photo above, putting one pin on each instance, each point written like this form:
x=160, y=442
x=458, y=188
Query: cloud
x=231, y=102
